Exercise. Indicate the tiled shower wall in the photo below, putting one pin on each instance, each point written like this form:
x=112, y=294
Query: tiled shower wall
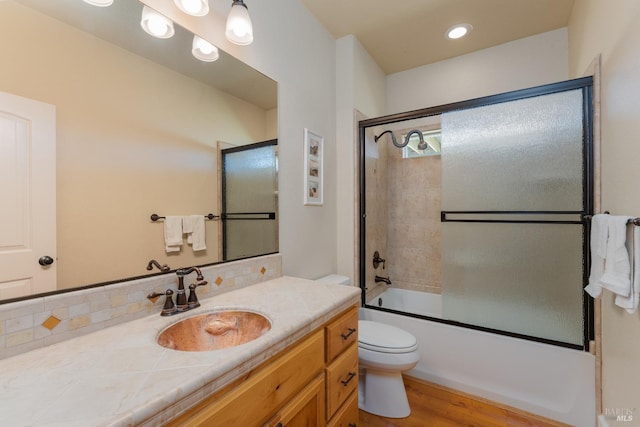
x=414, y=236
x=38, y=322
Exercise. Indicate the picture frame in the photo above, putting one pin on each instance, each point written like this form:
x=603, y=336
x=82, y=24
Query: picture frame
x=313, y=168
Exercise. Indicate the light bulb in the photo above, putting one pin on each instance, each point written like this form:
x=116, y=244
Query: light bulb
x=239, y=29
x=193, y=7
x=156, y=24
x=203, y=50
x=99, y=3
x=458, y=31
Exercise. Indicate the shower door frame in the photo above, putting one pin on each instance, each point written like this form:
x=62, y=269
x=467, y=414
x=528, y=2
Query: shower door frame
x=586, y=85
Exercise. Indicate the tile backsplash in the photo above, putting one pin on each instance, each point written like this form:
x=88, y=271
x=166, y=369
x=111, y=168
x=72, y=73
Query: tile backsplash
x=38, y=322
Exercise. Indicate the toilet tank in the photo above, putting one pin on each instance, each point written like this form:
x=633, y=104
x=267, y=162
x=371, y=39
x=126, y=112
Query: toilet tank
x=336, y=279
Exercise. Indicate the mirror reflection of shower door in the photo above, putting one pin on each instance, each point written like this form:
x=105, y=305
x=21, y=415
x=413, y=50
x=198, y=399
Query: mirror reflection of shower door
x=249, y=200
x=515, y=187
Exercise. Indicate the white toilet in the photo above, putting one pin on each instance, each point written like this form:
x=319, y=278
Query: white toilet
x=384, y=352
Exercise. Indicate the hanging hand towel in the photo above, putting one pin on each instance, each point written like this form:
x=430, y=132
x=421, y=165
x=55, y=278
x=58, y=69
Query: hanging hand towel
x=599, y=237
x=617, y=267
x=630, y=303
x=172, y=233
x=196, y=237
x=188, y=222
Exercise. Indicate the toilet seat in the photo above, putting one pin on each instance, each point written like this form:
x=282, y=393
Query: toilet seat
x=383, y=338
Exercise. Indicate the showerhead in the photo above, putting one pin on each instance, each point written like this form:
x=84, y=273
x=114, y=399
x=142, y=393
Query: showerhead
x=422, y=145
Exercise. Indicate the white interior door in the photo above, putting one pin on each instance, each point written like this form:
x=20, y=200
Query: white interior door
x=27, y=196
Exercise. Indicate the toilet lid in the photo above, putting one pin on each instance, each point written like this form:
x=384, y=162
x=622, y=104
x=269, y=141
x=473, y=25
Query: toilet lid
x=384, y=338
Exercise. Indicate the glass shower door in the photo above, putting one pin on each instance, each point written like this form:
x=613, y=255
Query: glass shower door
x=514, y=192
x=249, y=200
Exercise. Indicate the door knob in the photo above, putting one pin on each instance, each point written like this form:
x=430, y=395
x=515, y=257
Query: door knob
x=45, y=260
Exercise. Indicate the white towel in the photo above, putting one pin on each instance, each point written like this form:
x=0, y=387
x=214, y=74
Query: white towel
x=172, y=233
x=599, y=237
x=193, y=226
x=630, y=303
x=617, y=267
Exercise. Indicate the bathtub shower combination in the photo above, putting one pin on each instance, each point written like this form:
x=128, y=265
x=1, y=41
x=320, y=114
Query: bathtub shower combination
x=474, y=238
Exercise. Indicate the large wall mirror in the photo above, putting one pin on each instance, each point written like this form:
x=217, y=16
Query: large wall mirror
x=141, y=126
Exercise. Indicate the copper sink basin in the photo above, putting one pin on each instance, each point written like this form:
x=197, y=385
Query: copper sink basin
x=214, y=331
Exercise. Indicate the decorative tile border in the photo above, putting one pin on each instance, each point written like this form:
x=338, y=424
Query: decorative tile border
x=34, y=323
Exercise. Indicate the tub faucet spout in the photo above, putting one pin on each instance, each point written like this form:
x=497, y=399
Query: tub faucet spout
x=383, y=279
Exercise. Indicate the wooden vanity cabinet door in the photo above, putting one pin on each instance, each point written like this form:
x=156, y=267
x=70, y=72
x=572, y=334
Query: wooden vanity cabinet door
x=348, y=414
x=306, y=409
x=262, y=393
x=341, y=333
x=342, y=379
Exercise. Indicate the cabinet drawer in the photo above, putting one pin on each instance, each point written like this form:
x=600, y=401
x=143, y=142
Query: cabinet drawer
x=342, y=379
x=264, y=391
x=341, y=333
x=348, y=414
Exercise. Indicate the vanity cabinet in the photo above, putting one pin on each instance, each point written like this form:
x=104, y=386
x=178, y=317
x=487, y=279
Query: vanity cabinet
x=341, y=371
x=312, y=384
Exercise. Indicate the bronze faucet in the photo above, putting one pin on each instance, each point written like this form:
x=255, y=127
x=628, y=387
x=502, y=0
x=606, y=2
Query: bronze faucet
x=181, y=304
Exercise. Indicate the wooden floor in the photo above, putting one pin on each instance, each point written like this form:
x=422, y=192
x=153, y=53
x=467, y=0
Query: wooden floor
x=436, y=406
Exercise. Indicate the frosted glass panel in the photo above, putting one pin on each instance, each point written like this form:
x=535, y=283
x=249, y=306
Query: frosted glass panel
x=251, y=180
x=250, y=185
x=522, y=278
x=519, y=155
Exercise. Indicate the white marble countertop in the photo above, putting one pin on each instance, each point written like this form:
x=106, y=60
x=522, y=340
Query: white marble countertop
x=120, y=376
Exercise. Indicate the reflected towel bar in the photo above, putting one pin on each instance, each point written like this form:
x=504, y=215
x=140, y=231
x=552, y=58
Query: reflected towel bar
x=634, y=221
x=155, y=217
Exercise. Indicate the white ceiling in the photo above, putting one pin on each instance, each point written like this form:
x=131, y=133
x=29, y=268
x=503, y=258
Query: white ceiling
x=405, y=34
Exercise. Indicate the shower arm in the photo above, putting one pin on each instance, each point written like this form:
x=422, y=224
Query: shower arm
x=421, y=144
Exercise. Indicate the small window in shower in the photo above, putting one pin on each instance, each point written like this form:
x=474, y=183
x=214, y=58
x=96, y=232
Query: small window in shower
x=431, y=137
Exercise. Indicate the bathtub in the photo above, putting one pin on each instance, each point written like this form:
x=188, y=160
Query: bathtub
x=424, y=303
x=543, y=379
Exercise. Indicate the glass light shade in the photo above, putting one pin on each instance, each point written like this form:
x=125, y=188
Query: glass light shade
x=193, y=7
x=239, y=29
x=156, y=24
x=203, y=50
x=458, y=31
x=99, y=3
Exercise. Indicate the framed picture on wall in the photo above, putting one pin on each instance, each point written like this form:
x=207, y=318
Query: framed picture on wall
x=313, y=173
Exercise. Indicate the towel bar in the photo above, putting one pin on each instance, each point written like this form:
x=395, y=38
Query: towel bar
x=155, y=217
x=634, y=221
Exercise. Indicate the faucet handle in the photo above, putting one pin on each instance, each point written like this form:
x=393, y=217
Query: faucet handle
x=377, y=260
x=169, y=307
x=193, y=302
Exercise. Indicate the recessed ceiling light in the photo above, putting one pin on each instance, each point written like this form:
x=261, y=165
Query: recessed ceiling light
x=458, y=31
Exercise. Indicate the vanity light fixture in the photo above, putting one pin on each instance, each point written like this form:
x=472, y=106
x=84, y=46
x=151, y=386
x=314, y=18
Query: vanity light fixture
x=193, y=7
x=156, y=24
x=203, y=50
x=239, y=29
x=458, y=31
x=99, y=3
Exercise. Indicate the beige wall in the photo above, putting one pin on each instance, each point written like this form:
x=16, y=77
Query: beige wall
x=611, y=29
x=133, y=139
